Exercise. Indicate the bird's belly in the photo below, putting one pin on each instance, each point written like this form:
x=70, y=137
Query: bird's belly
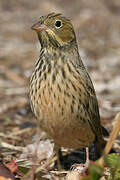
x=65, y=129
x=72, y=137
x=61, y=114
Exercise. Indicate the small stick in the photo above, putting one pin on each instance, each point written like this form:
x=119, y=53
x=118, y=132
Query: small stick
x=11, y=147
x=22, y=131
x=47, y=163
x=113, y=136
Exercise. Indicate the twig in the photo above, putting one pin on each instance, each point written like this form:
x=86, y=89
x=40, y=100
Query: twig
x=15, y=91
x=9, y=136
x=46, y=164
x=11, y=147
x=113, y=136
x=20, y=132
x=57, y=173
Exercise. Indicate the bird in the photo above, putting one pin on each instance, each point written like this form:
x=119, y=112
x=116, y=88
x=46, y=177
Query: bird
x=62, y=95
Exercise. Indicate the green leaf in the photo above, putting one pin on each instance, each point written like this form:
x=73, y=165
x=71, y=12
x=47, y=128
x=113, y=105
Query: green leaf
x=95, y=172
x=113, y=160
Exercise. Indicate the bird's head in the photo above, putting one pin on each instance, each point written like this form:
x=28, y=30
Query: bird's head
x=54, y=29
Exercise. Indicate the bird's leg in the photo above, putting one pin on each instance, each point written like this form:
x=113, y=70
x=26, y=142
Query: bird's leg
x=87, y=157
x=58, y=159
x=82, y=167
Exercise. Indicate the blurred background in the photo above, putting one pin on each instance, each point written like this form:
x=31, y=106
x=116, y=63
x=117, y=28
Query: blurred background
x=97, y=27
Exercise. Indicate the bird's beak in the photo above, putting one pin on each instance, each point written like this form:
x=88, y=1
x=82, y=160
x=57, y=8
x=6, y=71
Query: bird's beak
x=39, y=27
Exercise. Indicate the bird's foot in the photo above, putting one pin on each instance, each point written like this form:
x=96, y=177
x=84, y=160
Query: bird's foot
x=81, y=168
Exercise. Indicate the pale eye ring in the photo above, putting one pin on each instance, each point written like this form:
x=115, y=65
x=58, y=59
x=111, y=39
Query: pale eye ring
x=58, y=24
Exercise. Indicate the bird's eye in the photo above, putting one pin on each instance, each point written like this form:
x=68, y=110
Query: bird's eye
x=58, y=24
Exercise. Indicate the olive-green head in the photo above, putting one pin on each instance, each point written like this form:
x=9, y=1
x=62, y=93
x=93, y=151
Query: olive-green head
x=54, y=29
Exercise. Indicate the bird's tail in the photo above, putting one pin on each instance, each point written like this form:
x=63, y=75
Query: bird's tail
x=99, y=146
x=100, y=143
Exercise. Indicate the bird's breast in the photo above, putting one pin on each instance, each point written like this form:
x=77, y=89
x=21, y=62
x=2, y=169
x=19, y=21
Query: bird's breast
x=56, y=96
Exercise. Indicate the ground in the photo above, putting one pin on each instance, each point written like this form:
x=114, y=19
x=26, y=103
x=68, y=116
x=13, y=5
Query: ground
x=97, y=27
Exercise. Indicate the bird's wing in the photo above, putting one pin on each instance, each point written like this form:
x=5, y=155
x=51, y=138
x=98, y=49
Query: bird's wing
x=90, y=104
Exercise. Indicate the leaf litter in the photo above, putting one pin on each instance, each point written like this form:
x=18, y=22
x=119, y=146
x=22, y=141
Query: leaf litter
x=97, y=28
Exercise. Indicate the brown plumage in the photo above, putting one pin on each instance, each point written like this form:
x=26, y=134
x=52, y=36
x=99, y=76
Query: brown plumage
x=62, y=94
